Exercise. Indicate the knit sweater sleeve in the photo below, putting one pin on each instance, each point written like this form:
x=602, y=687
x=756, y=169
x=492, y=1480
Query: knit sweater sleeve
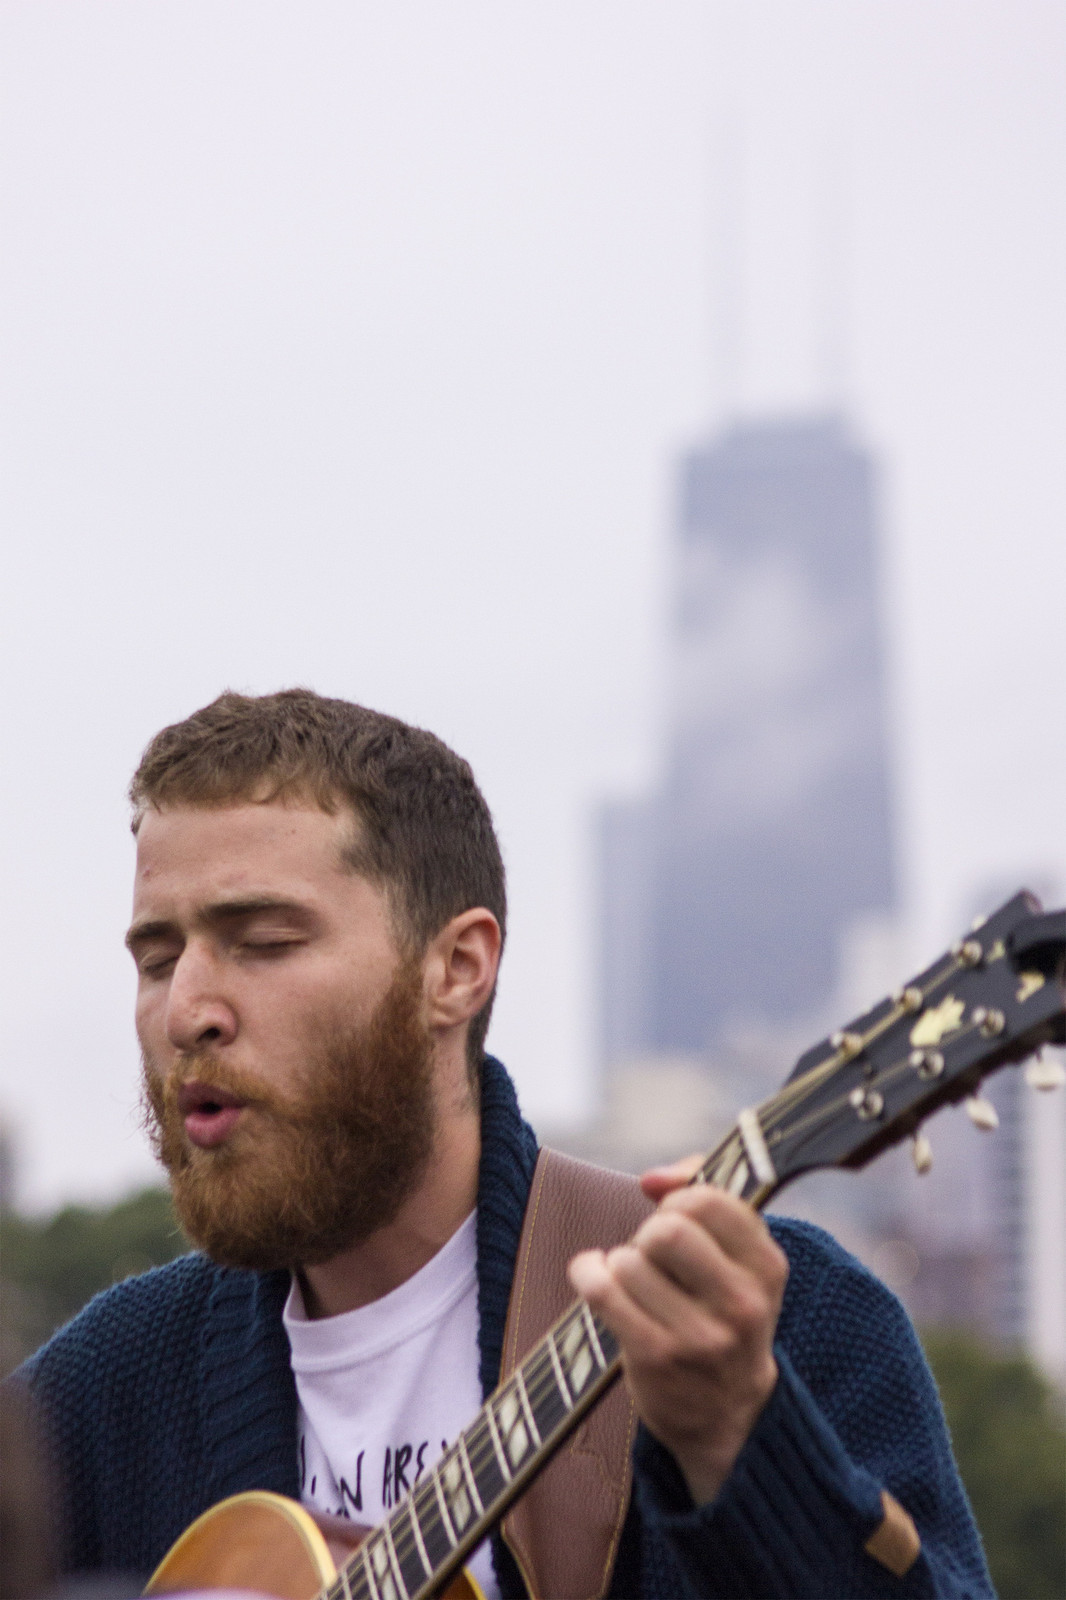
x=855, y=1411
x=165, y=1394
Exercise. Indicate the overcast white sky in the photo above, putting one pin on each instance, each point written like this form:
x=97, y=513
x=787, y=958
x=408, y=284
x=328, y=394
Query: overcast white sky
x=354, y=344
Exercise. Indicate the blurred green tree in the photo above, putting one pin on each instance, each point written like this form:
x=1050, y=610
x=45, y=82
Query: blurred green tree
x=50, y=1266
x=1009, y=1433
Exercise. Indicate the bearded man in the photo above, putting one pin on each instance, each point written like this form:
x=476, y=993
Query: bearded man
x=319, y=910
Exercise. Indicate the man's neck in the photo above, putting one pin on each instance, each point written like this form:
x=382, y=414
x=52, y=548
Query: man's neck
x=425, y=1222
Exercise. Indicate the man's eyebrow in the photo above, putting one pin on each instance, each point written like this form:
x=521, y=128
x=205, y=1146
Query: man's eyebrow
x=248, y=906
x=138, y=932
x=221, y=911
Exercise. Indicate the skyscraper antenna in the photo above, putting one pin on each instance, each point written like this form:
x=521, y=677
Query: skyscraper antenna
x=727, y=271
x=832, y=275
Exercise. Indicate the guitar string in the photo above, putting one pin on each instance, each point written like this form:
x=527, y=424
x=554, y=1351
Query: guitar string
x=405, y=1542
x=545, y=1382
x=887, y=1075
x=780, y=1104
x=540, y=1383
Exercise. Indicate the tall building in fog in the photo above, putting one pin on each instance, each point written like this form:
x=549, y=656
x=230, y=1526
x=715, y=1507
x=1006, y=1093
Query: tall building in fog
x=726, y=894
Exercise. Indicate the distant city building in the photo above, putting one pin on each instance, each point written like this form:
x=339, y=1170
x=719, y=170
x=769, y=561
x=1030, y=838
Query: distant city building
x=748, y=905
x=726, y=895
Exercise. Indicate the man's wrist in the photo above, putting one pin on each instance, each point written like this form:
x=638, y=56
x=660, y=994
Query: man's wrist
x=706, y=1463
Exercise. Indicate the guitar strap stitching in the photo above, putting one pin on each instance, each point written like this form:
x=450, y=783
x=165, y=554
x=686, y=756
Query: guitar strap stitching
x=511, y=1353
x=543, y=1248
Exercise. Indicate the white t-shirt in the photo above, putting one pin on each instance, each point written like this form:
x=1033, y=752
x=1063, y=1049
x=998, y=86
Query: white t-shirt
x=385, y=1389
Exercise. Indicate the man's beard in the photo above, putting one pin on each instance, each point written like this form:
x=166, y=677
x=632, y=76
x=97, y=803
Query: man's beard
x=305, y=1176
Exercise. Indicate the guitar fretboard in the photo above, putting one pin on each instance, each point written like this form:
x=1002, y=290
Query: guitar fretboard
x=455, y=1505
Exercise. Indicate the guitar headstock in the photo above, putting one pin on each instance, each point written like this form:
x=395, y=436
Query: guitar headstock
x=993, y=999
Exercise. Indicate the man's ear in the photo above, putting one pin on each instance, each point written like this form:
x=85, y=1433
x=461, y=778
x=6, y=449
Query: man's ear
x=460, y=968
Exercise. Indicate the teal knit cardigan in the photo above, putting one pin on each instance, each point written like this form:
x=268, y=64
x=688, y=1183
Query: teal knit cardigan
x=173, y=1390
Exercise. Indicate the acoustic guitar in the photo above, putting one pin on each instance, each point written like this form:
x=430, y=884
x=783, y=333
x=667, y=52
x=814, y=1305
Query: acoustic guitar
x=991, y=1001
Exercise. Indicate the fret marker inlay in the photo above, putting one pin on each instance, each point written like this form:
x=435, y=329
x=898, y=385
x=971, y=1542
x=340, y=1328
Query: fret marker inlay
x=497, y=1443
x=458, y=1499
x=520, y=1379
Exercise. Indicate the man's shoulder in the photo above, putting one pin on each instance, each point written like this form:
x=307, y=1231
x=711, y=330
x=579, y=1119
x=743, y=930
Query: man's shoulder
x=838, y=1320
x=821, y=1270
x=811, y=1251
x=154, y=1316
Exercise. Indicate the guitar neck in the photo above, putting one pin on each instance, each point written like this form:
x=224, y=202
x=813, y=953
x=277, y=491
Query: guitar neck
x=456, y=1505
x=988, y=1002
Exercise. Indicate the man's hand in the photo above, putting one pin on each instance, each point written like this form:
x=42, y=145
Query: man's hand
x=693, y=1300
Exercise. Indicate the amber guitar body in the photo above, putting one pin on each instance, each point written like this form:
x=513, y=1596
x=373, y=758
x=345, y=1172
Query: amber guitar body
x=264, y=1542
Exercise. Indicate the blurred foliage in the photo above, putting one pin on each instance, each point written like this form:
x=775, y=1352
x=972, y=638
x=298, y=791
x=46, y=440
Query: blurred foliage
x=1009, y=1433
x=50, y=1266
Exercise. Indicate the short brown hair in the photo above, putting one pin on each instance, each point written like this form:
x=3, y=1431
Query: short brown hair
x=426, y=833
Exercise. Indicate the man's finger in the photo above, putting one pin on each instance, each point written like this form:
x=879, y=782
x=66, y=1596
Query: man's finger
x=679, y=1247
x=660, y=1181
x=591, y=1277
x=740, y=1232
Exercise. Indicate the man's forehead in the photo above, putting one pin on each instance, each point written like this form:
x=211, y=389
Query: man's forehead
x=226, y=845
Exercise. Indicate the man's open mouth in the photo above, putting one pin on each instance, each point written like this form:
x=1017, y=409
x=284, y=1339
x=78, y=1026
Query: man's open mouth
x=209, y=1114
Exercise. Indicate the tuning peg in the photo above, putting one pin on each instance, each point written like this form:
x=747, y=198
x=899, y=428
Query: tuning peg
x=982, y=1113
x=989, y=1020
x=921, y=1154
x=1044, y=1073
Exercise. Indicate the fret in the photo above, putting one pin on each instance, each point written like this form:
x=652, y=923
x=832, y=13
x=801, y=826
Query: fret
x=423, y=1553
x=722, y=1164
x=577, y=1355
x=501, y=1454
x=396, y=1572
x=345, y=1586
x=481, y=1453
x=430, y=1514
x=366, y=1550
x=445, y=1515
x=362, y=1556
x=520, y=1380
x=547, y=1396
x=557, y=1367
x=739, y=1178
x=460, y=1507
x=513, y=1430
x=355, y=1578
x=594, y=1339
x=461, y=1445
x=407, y=1549
x=380, y=1567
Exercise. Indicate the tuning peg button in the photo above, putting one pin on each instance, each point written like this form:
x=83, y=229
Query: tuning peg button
x=982, y=1113
x=921, y=1154
x=1045, y=1074
x=927, y=1063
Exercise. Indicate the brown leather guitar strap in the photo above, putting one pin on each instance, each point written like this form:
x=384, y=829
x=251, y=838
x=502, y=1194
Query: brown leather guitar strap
x=564, y=1531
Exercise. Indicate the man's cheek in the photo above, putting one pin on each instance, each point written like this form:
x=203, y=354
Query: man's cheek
x=149, y=1022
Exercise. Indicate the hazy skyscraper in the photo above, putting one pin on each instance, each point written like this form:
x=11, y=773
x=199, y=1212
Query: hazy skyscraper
x=726, y=894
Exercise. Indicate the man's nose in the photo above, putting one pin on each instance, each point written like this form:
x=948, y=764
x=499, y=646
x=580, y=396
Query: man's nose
x=199, y=1012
